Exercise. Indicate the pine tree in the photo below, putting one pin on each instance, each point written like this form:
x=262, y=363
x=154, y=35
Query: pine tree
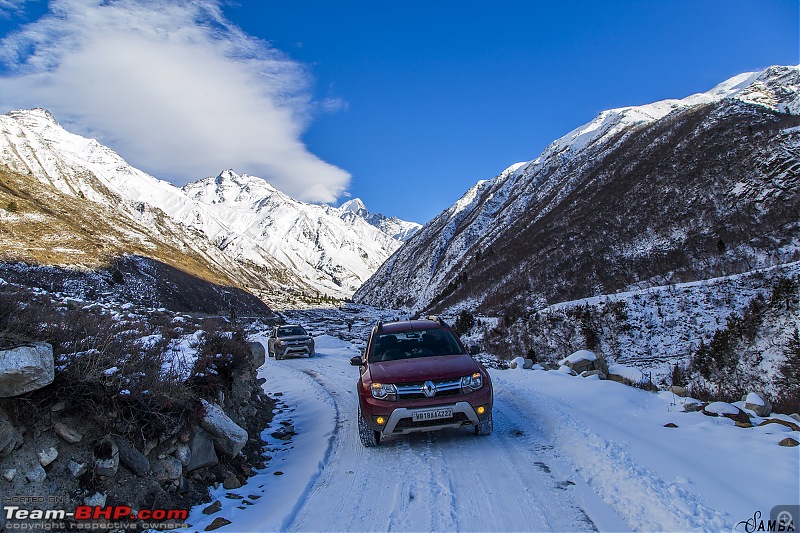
x=788, y=377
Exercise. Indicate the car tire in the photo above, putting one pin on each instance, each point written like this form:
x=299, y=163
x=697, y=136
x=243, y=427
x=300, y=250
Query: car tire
x=269, y=352
x=369, y=437
x=311, y=353
x=278, y=357
x=485, y=426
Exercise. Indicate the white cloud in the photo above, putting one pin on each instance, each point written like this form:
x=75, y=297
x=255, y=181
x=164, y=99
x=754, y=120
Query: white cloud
x=174, y=88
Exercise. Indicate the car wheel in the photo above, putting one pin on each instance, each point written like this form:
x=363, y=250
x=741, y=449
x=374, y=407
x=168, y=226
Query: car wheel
x=278, y=357
x=369, y=437
x=485, y=426
x=311, y=353
x=269, y=352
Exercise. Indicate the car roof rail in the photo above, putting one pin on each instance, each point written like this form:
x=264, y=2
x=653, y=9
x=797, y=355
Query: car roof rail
x=379, y=325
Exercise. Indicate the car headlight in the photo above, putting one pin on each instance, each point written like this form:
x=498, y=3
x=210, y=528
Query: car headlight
x=472, y=383
x=383, y=391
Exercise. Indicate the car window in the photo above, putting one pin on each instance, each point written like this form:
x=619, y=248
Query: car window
x=412, y=344
x=290, y=331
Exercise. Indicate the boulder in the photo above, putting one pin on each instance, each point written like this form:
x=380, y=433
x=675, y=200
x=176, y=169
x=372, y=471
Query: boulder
x=517, y=362
x=758, y=403
x=727, y=410
x=10, y=474
x=25, y=369
x=36, y=474
x=77, y=469
x=167, y=469
x=217, y=523
x=590, y=373
x=131, y=458
x=47, y=456
x=229, y=438
x=796, y=416
x=580, y=361
x=201, y=449
x=183, y=454
x=790, y=425
x=788, y=441
x=69, y=434
x=258, y=353
x=527, y=364
x=106, y=462
x=10, y=438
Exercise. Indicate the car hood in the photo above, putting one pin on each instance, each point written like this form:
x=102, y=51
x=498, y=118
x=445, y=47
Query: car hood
x=423, y=368
x=295, y=338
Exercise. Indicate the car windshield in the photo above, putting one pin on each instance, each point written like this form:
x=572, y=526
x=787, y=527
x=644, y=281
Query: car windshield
x=290, y=331
x=411, y=344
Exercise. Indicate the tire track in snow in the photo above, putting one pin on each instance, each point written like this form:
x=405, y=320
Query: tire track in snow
x=641, y=496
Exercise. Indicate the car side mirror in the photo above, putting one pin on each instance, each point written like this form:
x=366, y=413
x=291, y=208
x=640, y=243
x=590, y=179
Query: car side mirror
x=474, y=349
x=356, y=361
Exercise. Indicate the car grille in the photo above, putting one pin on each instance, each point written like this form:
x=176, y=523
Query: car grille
x=444, y=387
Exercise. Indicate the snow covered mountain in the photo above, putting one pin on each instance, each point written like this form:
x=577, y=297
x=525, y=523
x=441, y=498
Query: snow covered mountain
x=673, y=191
x=245, y=231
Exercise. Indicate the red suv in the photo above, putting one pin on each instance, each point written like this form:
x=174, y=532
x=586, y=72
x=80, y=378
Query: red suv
x=416, y=375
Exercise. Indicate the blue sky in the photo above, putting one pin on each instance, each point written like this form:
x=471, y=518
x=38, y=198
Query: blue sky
x=403, y=104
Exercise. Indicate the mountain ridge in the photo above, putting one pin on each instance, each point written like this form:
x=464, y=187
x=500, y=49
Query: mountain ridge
x=227, y=221
x=505, y=229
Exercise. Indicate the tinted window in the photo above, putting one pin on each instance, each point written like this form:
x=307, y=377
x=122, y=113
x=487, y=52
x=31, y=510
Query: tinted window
x=411, y=344
x=287, y=332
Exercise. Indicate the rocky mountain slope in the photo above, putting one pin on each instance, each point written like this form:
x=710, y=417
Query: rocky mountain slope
x=69, y=200
x=675, y=191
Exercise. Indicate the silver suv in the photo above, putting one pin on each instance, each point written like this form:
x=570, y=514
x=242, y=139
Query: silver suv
x=290, y=339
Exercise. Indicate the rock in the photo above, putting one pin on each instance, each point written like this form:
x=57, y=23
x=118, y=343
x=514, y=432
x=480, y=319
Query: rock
x=58, y=407
x=694, y=407
x=201, y=448
x=10, y=474
x=183, y=485
x=590, y=373
x=36, y=474
x=213, y=508
x=231, y=482
x=670, y=425
x=564, y=369
x=69, y=434
x=25, y=369
x=788, y=441
x=167, y=469
x=47, y=456
x=106, y=454
x=217, y=523
x=97, y=499
x=796, y=416
x=758, y=403
x=229, y=438
x=133, y=459
x=10, y=438
x=790, y=425
x=149, y=446
x=77, y=469
x=743, y=424
x=527, y=364
x=517, y=362
x=183, y=454
x=678, y=391
x=258, y=353
x=583, y=360
x=727, y=410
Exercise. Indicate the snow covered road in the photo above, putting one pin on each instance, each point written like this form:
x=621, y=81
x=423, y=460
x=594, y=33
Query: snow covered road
x=546, y=467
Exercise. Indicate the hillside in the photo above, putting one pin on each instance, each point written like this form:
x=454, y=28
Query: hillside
x=236, y=230
x=670, y=192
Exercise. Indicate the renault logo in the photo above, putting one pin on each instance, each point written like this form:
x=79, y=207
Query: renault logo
x=429, y=389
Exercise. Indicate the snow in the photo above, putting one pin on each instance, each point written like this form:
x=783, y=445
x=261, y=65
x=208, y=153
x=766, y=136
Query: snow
x=567, y=454
x=754, y=398
x=580, y=355
x=628, y=372
x=722, y=408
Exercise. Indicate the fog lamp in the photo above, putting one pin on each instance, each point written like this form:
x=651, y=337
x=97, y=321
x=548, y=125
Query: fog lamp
x=380, y=421
x=480, y=410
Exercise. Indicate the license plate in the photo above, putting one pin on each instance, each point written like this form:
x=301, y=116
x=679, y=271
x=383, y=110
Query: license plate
x=420, y=416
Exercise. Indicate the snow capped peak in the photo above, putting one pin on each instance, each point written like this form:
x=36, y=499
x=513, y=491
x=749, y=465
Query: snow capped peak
x=37, y=114
x=355, y=206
